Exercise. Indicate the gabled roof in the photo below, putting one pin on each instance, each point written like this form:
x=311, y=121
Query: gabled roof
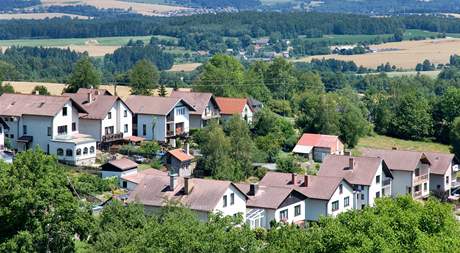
x=180, y=155
x=319, y=187
x=154, y=190
x=199, y=100
x=440, y=162
x=363, y=172
x=401, y=160
x=154, y=105
x=139, y=176
x=231, y=106
x=24, y=104
x=119, y=165
x=270, y=197
x=98, y=107
x=319, y=140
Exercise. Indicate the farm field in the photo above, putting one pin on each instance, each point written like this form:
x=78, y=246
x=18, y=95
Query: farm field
x=385, y=142
x=184, y=67
x=7, y=16
x=433, y=74
x=405, y=54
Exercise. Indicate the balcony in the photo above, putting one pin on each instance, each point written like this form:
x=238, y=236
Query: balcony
x=112, y=137
x=418, y=194
x=421, y=178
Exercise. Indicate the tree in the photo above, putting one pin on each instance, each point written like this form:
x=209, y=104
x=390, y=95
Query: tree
x=162, y=92
x=455, y=136
x=84, y=75
x=288, y=164
x=6, y=88
x=143, y=78
x=41, y=90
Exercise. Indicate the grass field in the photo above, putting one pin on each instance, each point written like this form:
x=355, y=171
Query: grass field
x=7, y=16
x=433, y=74
x=384, y=142
x=184, y=67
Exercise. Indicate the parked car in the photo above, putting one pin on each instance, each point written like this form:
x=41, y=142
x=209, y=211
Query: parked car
x=139, y=159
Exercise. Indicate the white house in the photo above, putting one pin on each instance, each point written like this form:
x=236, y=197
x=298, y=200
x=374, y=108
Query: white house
x=49, y=122
x=410, y=170
x=119, y=168
x=369, y=176
x=441, y=172
x=108, y=118
x=203, y=196
x=235, y=106
x=205, y=106
x=160, y=118
x=3, y=128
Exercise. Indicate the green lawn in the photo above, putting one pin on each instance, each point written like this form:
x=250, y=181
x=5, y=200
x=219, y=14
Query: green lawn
x=384, y=142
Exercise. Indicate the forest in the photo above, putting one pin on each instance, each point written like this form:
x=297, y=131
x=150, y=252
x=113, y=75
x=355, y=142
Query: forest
x=8, y=5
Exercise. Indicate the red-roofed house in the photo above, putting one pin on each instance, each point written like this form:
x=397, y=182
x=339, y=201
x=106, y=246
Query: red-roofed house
x=318, y=146
x=235, y=106
x=179, y=161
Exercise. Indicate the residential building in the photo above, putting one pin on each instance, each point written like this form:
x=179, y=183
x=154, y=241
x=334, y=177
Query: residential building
x=49, y=122
x=326, y=196
x=160, y=118
x=205, y=106
x=270, y=203
x=369, y=176
x=203, y=196
x=131, y=181
x=180, y=162
x=108, y=118
x=3, y=128
x=410, y=170
x=441, y=173
x=119, y=168
x=235, y=106
x=318, y=146
x=255, y=105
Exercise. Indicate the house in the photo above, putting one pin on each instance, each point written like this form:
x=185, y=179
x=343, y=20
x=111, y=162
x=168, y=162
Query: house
x=203, y=196
x=49, y=122
x=3, y=128
x=235, y=106
x=108, y=118
x=318, y=146
x=205, y=106
x=410, y=169
x=160, y=118
x=180, y=162
x=119, y=168
x=326, y=196
x=441, y=172
x=255, y=105
x=369, y=176
x=270, y=203
x=131, y=181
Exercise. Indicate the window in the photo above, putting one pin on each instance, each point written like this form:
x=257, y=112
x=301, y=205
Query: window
x=49, y=131
x=225, y=200
x=109, y=130
x=109, y=115
x=125, y=184
x=74, y=126
x=425, y=186
x=125, y=113
x=144, y=130
x=1, y=131
x=64, y=111
x=335, y=205
x=346, y=201
x=180, y=111
x=85, y=151
x=62, y=130
x=60, y=152
x=91, y=150
x=297, y=210
x=340, y=188
x=362, y=196
x=377, y=194
x=447, y=179
x=126, y=128
x=12, y=136
x=377, y=179
x=232, y=198
x=68, y=152
x=284, y=214
x=79, y=152
x=24, y=129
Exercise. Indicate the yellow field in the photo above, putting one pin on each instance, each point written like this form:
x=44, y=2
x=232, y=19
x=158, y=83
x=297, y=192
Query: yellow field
x=5, y=16
x=185, y=67
x=141, y=8
x=405, y=54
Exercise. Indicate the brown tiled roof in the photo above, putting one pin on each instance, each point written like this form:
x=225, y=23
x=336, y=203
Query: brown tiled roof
x=154, y=190
x=270, y=197
x=121, y=164
x=319, y=187
x=154, y=105
x=440, y=162
x=402, y=160
x=199, y=100
x=231, y=106
x=139, y=176
x=98, y=107
x=24, y=104
x=95, y=91
x=319, y=140
x=180, y=155
x=363, y=172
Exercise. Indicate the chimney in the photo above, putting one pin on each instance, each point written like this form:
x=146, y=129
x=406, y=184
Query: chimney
x=96, y=92
x=172, y=181
x=394, y=148
x=253, y=188
x=351, y=163
x=90, y=97
x=306, y=181
x=188, y=185
x=187, y=148
x=293, y=179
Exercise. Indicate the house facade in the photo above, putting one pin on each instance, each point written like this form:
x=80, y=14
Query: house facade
x=230, y=107
x=3, y=128
x=205, y=105
x=160, y=118
x=180, y=162
x=317, y=146
x=441, y=173
x=49, y=122
x=119, y=168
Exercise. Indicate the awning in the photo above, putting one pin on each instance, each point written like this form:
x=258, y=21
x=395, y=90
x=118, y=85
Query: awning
x=301, y=149
x=25, y=139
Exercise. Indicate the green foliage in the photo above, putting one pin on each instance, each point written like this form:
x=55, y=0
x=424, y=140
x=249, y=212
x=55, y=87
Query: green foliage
x=162, y=92
x=92, y=184
x=6, y=88
x=41, y=90
x=143, y=78
x=146, y=149
x=455, y=136
x=84, y=75
x=288, y=164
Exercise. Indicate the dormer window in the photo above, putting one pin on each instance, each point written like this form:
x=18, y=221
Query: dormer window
x=64, y=111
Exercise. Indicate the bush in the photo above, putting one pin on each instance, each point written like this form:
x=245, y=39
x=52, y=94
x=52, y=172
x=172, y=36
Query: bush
x=91, y=184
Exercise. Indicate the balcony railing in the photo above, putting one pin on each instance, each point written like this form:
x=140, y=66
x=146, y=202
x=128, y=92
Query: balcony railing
x=112, y=137
x=417, y=194
x=386, y=182
x=421, y=178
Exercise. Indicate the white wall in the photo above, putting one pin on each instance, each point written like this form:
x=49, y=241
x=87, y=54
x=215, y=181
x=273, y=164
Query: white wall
x=315, y=208
x=291, y=212
x=182, y=118
x=37, y=126
x=247, y=113
x=347, y=192
x=118, y=174
x=375, y=187
x=91, y=127
x=196, y=122
x=60, y=120
x=83, y=159
x=238, y=207
x=2, y=137
x=124, y=120
x=112, y=122
x=401, y=180
x=440, y=180
x=160, y=127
